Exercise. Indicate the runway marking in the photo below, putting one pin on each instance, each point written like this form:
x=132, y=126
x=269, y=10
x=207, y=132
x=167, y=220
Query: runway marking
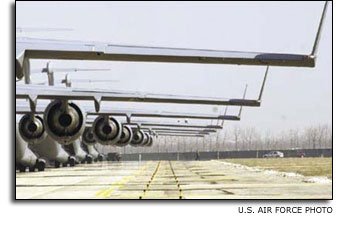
x=151, y=179
x=176, y=181
x=153, y=191
x=105, y=193
x=169, y=180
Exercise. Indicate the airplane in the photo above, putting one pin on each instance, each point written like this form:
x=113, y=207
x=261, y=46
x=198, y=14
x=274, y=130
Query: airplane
x=33, y=48
x=35, y=130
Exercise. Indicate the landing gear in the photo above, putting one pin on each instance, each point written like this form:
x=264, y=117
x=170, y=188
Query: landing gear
x=72, y=161
x=89, y=159
x=41, y=165
x=22, y=168
x=101, y=158
x=32, y=169
x=57, y=164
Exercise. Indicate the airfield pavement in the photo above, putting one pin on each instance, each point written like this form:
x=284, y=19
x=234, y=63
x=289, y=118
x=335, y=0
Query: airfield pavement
x=168, y=180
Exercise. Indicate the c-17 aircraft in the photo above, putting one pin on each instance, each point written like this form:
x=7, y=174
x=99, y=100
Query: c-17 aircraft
x=34, y=136
x=26, y=158
x=125, y=136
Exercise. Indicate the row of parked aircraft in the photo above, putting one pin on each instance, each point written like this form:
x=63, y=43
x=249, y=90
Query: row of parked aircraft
x=65, y=133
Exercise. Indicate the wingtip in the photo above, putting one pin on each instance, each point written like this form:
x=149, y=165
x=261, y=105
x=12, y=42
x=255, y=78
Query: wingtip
x=319, y=31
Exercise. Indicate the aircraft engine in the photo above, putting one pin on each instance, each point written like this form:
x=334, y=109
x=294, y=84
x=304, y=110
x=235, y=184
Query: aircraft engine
x=18, y=69
x=64, y=121
x=126, y=136
x=107, y=130
x=138, y=138
x=146, y=139
x=150, y=141
x=88, y=137
x=31, y=129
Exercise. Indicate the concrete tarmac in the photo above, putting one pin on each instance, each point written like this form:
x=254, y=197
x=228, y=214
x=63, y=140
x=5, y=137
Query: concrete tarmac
x=165, y=180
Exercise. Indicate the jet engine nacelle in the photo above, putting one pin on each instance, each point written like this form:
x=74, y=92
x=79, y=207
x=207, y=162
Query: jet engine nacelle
x=150, y=142
x=146, y=139
x=31, y=129
x=107, y=130
x=88, y=136
x=64, y=121
x=126, y=136
x=138, y=138
x=18, y=69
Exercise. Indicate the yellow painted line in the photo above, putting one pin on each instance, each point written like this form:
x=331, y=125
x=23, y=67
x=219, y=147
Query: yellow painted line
x=176, y=181
x=107, y=192
x=152, y=177
x=100, y=192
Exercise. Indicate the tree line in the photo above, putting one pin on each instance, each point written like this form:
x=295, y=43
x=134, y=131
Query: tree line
x=238, y=138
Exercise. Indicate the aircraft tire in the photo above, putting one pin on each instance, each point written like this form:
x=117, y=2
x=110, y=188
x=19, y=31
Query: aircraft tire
x=57, y=164
x=89, y=159
x=22, y=168
x=72, y=162
x=41, y=166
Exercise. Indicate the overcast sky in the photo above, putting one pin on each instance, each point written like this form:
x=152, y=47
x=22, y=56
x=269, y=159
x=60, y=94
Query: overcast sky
x=293, y=97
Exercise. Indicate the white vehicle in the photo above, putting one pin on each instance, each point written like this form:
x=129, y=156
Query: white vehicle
x=273, y=155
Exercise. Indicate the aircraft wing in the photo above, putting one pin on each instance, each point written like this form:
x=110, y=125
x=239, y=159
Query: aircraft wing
x=78, y=50
x=160, y=124
x=129, y=113
x=34, y=92
x=29, y=48
x=161, y=114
